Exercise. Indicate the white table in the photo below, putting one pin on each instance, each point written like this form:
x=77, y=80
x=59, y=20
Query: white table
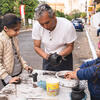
x=26, y=90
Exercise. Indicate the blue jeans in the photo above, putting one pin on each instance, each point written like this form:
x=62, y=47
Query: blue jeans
x=98, y=31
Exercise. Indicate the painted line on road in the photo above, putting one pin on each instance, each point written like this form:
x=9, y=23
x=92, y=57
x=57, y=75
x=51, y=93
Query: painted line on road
x=91, y=46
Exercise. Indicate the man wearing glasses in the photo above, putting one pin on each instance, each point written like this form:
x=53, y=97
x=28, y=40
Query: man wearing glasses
x=57, y=36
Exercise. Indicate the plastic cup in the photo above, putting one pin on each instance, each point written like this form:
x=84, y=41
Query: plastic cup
x=52, y=86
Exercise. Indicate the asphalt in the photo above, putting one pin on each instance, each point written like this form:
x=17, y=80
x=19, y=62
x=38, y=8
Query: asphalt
x=92, y=38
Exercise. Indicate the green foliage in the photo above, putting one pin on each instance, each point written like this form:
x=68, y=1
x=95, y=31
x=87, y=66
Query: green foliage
x=6, y=6
x=12, y=6
x=98, y=10
x=75, y=13
x=69, y=17
x=59, y=14
x=16, y=7
x=30, y=5
x=83, y=15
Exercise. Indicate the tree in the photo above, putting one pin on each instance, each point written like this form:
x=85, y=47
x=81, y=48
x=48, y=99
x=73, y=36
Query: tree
x=59, y=14
x=75, y=13
x=83, y=14
x=12, y=6
x=6, y=6
x=98, y=10
x=16, y=7
x=30, y=6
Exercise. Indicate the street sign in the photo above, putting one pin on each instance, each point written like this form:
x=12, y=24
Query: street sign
x=90, y=8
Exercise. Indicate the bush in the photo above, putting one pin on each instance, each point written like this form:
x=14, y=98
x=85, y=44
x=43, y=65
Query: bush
x=98, y=10
x=73, y=15
x=69, y=17
x=83, y=15
x=59, y=14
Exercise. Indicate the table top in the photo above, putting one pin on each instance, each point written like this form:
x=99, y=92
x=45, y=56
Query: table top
x=27, y=91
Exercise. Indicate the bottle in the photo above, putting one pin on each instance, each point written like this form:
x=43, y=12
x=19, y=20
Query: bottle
x=34, y=77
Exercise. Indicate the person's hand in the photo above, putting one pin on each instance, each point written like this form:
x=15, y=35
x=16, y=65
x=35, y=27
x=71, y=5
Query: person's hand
x=55, y=59
x=14, y=80
x=77, y=69
x=29, y=69
x=71, y=75
x=47, y=56
x=98, y=52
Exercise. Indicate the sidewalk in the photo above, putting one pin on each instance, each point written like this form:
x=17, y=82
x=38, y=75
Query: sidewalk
x=93, y=34
x=92, y=31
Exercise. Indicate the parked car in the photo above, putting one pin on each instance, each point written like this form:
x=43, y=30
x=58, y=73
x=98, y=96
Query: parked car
x=78, y=24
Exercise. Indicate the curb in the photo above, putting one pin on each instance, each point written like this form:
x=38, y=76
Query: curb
x=91, y=45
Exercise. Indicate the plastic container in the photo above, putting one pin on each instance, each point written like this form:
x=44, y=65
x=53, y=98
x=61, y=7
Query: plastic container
x=52, y=86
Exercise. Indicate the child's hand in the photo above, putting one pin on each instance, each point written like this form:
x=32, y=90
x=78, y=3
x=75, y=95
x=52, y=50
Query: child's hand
x=29, y=69
x=71, y=75
x=77, y=69
x=14, y=80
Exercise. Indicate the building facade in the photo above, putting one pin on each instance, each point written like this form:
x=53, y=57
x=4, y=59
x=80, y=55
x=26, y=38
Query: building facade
x=66, y=6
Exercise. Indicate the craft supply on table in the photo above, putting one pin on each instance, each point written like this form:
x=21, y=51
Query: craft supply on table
x=52, y=86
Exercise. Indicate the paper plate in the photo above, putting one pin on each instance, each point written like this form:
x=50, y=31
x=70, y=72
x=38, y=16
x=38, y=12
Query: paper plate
x=65, y=82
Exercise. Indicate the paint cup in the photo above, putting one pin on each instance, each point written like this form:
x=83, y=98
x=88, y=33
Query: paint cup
x=52, y=86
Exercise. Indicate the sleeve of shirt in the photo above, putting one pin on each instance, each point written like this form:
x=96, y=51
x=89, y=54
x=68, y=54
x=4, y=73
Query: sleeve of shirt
x=7, y=79
x=3, y=72
x=87, y=73
x=88, y=63
x=36, y=31
x=70, y=35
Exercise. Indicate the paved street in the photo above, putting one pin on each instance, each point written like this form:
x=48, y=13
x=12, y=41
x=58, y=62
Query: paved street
x=81, y=50
x=27, y=51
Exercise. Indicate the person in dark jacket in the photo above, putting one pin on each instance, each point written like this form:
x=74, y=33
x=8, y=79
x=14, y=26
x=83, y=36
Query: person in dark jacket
x=89, y=71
